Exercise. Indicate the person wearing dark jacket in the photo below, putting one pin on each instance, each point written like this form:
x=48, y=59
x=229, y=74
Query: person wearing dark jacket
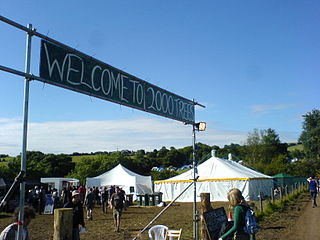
x=89, y=202
x=78, y=220
x=117, y=202
x=313, y=187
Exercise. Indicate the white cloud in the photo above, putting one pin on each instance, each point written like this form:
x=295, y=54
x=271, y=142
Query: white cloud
x=267, y=108
x=91, y=136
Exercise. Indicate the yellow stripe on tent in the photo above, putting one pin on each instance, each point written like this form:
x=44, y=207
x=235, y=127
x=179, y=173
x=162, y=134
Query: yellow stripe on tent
x=210, y=180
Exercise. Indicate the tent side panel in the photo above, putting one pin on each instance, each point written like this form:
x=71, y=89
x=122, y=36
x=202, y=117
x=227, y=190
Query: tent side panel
x=259, y=186
x=92, y=182
x=218, y=189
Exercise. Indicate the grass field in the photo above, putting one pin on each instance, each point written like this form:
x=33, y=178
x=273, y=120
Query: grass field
x=296, y=147
x=77, y=158
x=5, y=162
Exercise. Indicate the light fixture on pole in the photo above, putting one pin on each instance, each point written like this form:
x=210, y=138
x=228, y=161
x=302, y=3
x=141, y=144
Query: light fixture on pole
x=200, y=126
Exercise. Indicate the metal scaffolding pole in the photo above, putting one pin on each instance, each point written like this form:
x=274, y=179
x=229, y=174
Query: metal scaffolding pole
x=195, y=173
x=24, y=136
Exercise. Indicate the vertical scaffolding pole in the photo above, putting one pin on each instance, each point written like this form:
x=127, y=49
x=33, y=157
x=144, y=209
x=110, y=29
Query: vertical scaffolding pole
x=195, y=171
x=24, y=136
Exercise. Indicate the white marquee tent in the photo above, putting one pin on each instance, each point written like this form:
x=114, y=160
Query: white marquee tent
x=120, y=176
x=216, y=176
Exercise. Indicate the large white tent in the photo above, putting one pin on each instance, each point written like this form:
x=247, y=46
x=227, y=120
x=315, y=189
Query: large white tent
x=216, y=176
x=129, y=181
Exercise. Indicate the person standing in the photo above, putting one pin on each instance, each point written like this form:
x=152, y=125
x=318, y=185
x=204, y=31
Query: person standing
x=313, y=186
x=78, y=220
x=10, y=232
x=82, y=191
x=239, y=213
x=42, y=199
x=104, y=199
x=111, y=190
x=89, y=202
x=116, y=204
x=64, y=196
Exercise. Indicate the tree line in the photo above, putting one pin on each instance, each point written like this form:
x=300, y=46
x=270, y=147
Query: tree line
x=262, y=151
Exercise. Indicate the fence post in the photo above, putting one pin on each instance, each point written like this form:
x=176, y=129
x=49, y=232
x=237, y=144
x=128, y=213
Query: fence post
x=205, y=207
x=260, y=200
x=62, y=225
x=272, y=194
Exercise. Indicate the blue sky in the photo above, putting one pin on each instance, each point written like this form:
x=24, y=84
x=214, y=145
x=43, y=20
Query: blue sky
x=253, y=64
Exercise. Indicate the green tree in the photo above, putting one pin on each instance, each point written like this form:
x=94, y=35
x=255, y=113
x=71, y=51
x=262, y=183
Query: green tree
x=304, y=168
x=152, y=154
x=279, y=164
x=167, y=173
x=269, y=137
x=310, y=136
x=6, y=172
x=55, y=165
x=86, y=167
x=263, y=146
x=162, y=152
x=175, y=158
x=254, y=137
x=296, y=153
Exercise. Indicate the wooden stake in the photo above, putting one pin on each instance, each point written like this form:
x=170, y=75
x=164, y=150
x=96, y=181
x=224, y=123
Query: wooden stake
x=205, y=207
x=63, y=224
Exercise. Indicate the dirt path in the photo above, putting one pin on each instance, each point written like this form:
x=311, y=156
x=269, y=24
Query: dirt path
x=297, y=222
x=306, y=226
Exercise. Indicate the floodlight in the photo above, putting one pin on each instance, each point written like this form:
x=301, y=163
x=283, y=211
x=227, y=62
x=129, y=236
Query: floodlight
x=201, y=126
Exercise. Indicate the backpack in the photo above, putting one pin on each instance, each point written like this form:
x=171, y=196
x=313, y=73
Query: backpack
x=251, y=225
x=313, y=185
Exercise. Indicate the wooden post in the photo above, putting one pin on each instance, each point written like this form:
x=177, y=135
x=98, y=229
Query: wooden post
x=272, y=194
x=286, y=190
x=260, y=200
x=63, y=224
x=205, y=207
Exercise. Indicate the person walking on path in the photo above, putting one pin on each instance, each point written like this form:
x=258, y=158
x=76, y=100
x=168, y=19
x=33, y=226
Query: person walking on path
x=89, y=202
x=116, y=204
x=10, y=232
x=239, y=213
x=104, y=199
x=313, y=187
x=78, y=220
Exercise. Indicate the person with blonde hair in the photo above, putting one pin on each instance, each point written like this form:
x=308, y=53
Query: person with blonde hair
x=240, y=208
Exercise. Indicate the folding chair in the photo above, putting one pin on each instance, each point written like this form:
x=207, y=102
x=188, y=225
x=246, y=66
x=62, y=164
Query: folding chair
x=158, y=232
x=172, y=234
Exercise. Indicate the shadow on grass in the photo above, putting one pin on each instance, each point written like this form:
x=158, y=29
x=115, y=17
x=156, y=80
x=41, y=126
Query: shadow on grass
x=272, y=228
x=5, y=216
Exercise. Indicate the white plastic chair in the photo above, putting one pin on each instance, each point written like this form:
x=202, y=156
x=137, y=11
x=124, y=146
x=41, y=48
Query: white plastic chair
x=158, y=232
x=174, y=234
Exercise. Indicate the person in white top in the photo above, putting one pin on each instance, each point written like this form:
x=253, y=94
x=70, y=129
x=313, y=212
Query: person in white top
x=10, y=232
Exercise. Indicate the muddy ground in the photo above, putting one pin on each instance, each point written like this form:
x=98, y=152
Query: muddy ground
x=288, y=224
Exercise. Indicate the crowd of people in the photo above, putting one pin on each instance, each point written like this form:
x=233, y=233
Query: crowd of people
x=112, y=197
x=77, y=198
